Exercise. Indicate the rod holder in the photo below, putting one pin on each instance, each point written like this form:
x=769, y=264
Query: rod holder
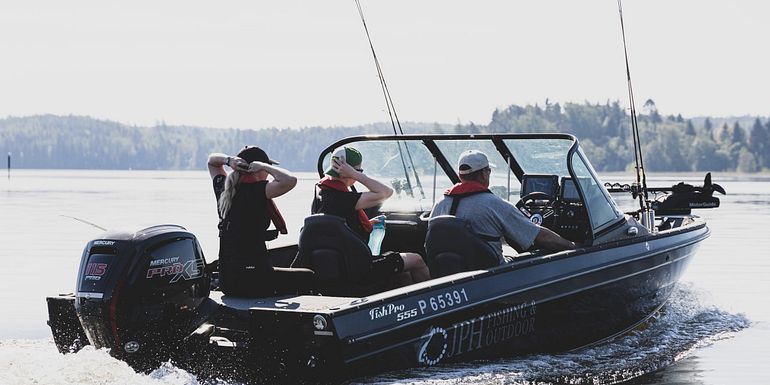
x=648, y=220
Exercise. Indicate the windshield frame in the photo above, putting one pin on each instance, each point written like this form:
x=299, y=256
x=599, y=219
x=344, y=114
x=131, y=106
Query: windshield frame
x=429, y=141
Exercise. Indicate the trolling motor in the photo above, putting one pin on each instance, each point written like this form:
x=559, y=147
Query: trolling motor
x=678, y=199
x=676, y=202
x=681, y=198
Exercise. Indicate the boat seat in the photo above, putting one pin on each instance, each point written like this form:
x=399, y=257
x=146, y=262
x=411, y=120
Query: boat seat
x=452, y=246
x=340, y=259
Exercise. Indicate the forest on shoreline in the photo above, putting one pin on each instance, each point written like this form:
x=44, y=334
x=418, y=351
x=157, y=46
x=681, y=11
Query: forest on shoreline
x=670, y=142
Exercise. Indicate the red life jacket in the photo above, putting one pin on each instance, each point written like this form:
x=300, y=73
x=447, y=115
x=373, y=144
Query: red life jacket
x=462, y=190
x=465, y=188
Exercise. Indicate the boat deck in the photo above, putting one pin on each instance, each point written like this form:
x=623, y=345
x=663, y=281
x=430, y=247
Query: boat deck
x=318, y=303
x=313, y=303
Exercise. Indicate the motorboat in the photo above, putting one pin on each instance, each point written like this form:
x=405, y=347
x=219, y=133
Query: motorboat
x=149, y=295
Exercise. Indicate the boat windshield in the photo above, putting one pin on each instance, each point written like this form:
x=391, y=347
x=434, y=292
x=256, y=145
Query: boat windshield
x=541, y=156
x=602, y=209
x=420, y=168
x=408, y=167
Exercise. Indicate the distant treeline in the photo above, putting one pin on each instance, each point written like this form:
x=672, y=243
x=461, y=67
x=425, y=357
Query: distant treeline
x=671, y=143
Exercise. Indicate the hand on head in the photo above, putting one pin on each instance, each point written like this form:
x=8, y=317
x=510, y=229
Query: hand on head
x=239, y=164
x=256, y=166
x=344, y=169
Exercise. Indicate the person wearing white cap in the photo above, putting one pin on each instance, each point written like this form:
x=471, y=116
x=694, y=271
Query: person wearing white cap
x=491, y=217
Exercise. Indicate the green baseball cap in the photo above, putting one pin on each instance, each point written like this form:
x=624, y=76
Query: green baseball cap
x=350, y=155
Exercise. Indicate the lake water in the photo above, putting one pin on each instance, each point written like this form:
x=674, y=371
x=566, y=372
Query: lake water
x=715, y=330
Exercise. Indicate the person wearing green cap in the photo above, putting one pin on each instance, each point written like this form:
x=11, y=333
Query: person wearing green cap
x=335, y=195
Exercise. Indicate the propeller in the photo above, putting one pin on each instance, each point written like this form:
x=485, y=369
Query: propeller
x=709, y=188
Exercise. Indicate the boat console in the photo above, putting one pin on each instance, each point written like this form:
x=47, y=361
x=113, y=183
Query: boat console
x=555, y=205
x=572, y=217
x=538, y=195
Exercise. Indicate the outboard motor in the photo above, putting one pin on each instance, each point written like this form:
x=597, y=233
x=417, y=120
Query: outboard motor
x=141, y=294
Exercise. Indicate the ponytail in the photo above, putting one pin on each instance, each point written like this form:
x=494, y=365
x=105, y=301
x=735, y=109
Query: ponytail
x=226, y=198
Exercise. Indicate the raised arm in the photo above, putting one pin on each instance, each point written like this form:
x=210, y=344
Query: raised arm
x=283, y=181
x=377, y=193
x=217, y=162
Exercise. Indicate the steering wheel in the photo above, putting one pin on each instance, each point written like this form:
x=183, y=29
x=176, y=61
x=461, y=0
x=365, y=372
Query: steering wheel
x=524, y=205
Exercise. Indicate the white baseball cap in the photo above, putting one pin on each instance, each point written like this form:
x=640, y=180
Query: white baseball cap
x=471, y=161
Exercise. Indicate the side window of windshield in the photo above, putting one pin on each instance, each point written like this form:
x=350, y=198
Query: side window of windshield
x=502, y=182
x=407, y=167
x=602, y=210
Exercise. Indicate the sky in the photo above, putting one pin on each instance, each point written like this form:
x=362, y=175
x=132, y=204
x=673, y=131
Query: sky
x=286, y=63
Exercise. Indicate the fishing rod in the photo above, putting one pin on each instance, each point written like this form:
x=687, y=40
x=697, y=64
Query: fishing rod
x=84, y=221
x=641, y=178
x=392, y=113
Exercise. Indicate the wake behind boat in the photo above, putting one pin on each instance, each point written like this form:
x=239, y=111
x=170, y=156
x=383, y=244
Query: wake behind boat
x=147, y=295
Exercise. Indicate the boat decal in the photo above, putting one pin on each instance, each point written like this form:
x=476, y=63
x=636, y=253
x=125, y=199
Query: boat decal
x=94, y=271
x=442, y=301
x=432, y=346
x=164, y=261
x=385, y=310
x=187, y=271
x=421, y=306
x=476, y=333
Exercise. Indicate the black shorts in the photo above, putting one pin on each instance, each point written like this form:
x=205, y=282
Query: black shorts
x=386, y=265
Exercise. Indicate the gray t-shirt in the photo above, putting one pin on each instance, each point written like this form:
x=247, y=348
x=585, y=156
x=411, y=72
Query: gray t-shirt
x=491, y=216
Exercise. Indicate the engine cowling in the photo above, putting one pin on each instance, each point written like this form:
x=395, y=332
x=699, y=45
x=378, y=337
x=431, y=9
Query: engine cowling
x=141, y=293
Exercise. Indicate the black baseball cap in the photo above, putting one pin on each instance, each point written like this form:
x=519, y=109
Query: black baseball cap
x=254, y=153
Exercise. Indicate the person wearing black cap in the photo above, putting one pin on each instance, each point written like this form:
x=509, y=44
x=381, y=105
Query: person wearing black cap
x=246, y=208
x=334, y=197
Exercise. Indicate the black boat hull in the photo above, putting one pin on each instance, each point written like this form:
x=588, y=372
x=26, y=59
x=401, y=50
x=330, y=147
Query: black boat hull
x=609, y=290
x=518, y=325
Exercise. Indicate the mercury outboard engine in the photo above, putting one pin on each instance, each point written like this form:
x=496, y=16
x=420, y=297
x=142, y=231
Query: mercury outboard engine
x=141, y=294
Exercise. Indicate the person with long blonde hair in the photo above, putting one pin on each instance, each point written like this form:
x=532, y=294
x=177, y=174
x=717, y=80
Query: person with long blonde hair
x=246, y=209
